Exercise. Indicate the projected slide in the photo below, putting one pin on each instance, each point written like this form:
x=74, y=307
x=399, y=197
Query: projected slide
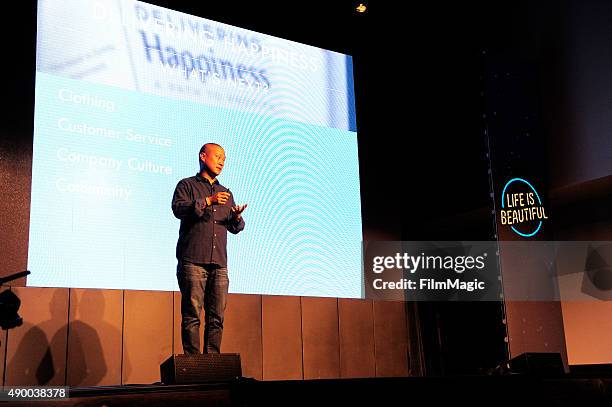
x=127, y=93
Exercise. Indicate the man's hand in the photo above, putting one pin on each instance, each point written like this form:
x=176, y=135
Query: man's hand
x=237, y=211
x=219, y=198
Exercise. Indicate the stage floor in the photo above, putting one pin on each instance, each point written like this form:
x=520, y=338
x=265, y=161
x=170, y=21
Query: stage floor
x=515, y=390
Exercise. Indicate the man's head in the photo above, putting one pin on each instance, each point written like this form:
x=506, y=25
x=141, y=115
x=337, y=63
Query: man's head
x=212, y=159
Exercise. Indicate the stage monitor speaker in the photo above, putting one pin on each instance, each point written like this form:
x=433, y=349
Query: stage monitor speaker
x=201, y=368
x=534, y=363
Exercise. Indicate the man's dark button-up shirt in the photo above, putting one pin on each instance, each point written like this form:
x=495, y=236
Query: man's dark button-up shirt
x=203, y=231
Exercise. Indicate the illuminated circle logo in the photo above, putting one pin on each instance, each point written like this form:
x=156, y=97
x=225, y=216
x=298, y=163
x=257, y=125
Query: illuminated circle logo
x=522, y=206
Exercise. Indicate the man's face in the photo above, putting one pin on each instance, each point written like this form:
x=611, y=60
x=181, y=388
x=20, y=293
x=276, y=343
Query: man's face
x=213, y=159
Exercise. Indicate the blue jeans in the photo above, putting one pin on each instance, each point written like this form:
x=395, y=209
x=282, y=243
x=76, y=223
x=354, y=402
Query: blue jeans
x=202, y=285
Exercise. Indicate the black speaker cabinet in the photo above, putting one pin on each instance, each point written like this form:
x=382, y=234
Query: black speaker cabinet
x=201, y=368
x=541, y=364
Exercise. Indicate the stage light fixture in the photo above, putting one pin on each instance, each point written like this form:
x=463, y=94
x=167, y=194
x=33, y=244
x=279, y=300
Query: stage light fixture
x=10, y=303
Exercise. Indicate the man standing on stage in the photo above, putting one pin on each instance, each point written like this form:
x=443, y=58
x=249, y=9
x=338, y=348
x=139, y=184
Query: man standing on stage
x=207, y=211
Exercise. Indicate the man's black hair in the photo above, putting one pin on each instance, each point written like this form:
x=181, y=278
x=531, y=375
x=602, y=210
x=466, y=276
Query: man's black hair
x=203, y=149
